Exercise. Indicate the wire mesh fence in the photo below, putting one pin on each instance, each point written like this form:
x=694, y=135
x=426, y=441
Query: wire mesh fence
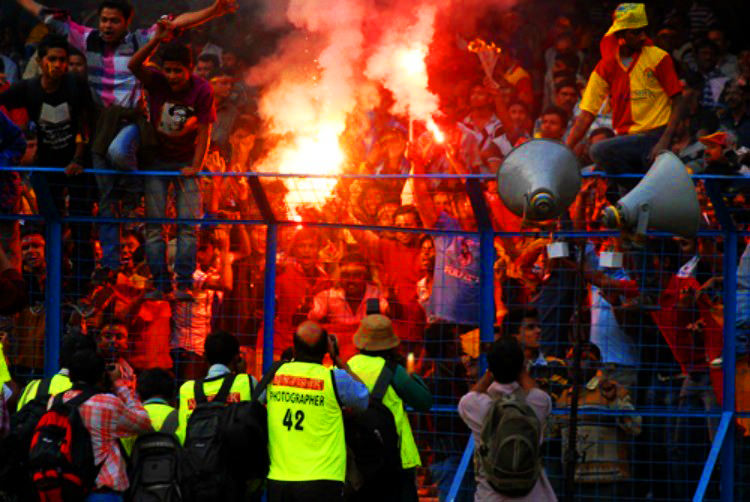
x=660, y=323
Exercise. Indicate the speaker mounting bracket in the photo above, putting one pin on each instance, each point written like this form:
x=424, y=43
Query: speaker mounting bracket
x=644, y=212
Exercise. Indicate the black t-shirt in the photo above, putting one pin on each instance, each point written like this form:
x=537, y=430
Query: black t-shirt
x=59, y=115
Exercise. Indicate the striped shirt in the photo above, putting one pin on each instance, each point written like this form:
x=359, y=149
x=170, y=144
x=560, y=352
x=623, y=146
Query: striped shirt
x=640, y=93
x=109, y=418
x=109, y=78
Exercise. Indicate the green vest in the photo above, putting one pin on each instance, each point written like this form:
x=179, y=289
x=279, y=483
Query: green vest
x=305, y=425
x=368, y=369
x=158, y=411
x=242, y=390
x=60, y=383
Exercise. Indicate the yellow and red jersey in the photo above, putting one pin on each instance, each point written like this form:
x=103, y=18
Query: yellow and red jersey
x=640, y=94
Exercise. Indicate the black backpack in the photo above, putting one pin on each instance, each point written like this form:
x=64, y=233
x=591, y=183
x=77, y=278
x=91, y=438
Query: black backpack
x=14, y=448
x=61, y=458
x=226, y=445
x=372, y=439
x=155, y=465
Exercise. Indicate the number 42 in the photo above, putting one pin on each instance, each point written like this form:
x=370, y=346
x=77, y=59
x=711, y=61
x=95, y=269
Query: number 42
x=299, y=416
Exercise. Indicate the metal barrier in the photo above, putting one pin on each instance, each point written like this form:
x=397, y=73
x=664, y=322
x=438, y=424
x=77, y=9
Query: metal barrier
x=724, y=437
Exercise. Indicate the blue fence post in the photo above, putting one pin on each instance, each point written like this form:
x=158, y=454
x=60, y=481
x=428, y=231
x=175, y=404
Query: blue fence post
x=461, y=471
x=729, y=357
x=52, y=300
x=486, y=270
x=269, y=294
x=729, y=362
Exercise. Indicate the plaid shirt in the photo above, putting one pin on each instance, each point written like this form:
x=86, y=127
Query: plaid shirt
x=109, y=418
x=109, y=78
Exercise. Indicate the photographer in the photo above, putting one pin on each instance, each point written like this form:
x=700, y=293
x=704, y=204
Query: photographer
x=305, y=420
x=113, y=414
x=378, y=347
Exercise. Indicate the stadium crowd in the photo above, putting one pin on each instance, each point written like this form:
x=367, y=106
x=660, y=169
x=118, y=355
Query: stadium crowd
x=113, y=88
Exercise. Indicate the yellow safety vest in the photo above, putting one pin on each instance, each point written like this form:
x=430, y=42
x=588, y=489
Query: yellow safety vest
x=305, y=425
x=158, y=413
x=60, y=383
x=368, y=368
x=242, y=390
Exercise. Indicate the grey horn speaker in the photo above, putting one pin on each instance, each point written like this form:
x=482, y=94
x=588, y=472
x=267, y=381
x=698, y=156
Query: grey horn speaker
x=665, y=200
x=539, y=180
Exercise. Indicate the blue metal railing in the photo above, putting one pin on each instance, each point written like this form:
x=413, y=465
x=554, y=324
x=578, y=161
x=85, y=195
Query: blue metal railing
x=723, y=445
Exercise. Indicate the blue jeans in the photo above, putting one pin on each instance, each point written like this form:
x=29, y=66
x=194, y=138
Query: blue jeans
x=122, y=154
x=188, y=205
x=105, y=497
x=625, y=154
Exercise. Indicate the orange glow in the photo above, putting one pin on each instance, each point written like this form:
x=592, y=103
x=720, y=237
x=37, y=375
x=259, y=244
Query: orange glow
x=435, y=130
x=318, y=153
x=411, y=60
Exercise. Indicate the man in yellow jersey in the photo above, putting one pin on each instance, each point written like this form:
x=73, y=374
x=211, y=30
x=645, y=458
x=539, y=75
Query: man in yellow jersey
x=59, y=382
x=305, y=421
x=222, y=351
x=377, y=345
x=156, y=389
x=643, y=89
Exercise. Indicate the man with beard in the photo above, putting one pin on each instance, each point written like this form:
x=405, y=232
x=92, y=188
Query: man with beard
x=344, y=305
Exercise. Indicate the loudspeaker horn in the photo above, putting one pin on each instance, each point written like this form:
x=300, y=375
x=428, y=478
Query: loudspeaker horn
x=539, y=179
x=665, y=200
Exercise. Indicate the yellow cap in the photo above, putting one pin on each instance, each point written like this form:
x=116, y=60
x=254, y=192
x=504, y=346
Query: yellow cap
x=628, y=16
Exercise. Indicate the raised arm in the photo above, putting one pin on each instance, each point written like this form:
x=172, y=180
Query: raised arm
x=190, y=19
x=31, y=6
x=136, y=63
x=425, y=206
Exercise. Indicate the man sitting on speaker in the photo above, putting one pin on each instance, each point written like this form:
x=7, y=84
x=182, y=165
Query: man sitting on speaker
x=643, y=89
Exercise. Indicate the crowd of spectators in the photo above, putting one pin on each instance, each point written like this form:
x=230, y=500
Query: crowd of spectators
x=171, y=96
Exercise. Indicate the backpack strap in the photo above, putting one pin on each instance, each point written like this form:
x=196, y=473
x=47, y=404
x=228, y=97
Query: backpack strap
x=226, y=386
x=267, y=377
x=42, y=389
x=83, y=396
x=520, y=394
x=170, y=423
x=384, y=380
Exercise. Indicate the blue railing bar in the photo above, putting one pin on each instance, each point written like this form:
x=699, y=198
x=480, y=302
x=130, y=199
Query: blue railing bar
x=576, y=234
x=28, y=217
x=253, y=174
x=375, y=228
x=213, y=221
x=444, y=408
x=479, y=176
x=461, y=471
x=713, y=455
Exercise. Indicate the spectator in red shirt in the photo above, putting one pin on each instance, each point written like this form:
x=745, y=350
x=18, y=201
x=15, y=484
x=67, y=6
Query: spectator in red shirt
x=399, y=264
x=296, y=286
